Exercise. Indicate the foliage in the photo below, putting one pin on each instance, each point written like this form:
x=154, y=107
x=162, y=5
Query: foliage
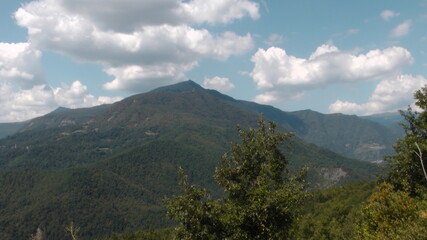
x=398, y=208
x=391, y=214
x=405, y=168
x=108, y=168
x=332, y=213
x=364, y=140
x=116, y=194
x=261, y=200
x=150, y=234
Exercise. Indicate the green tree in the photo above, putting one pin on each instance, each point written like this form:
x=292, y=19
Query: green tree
x=261, y=197
x=391, y=214
x=406, y=169
x=398, y=210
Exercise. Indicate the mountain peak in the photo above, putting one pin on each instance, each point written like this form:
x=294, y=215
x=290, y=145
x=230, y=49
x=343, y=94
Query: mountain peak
x=180, y=87
x=60, y=109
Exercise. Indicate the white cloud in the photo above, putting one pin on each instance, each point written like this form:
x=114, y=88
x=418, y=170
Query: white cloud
x=282, y=76
x=218, y=83
x=25, y=94
x=20, y=65
x=77, y=96
x=19, y=104
x=129, y=15
x=141, y=43
x=23, y=104
x=401, y=29
x=139, y=78
x=388, y=14
x=124, y=15
x=222, y=11
x=390, y=94
x=279, y=96
x=23, y=91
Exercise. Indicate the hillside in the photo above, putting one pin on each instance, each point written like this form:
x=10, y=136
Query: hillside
x=367, y=138
x=109, y=169
x=7, y=129
x=348, y=135
x=391, y=120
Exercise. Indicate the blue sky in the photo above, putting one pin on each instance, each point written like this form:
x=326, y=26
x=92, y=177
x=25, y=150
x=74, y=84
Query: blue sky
x=355, y=57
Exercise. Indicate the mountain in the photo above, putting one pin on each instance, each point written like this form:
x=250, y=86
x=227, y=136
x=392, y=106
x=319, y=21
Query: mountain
x=362, y=138
x=7, y=129
x=108, y=168
x=62, y=117
x=350, y=136
x=367, y=138
x=391, y=120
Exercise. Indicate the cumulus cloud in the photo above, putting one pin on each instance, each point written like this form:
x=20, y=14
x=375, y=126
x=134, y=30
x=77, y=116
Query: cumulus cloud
x=142, y=44
x=401, y=29
x=19, y=104
x=130, y=77
x=23, y=104
x=390, y=94
x=282, y=76
x=388, y=14
x=222, y=11
x=139, y=48
x=23, y=91
x=25, y=94
x=130, y=15
x=76, y=96
x=218, y=83
x=20, y=65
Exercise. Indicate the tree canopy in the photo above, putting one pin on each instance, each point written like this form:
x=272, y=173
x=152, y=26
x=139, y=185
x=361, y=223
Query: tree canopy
x=406, y=169
x=261, y=196
x=398, y=208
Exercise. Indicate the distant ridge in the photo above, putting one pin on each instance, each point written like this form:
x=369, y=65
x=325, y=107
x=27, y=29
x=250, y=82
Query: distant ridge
x=7, y=129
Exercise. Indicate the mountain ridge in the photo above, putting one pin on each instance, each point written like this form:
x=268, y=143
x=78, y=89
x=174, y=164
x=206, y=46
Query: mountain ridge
x=109, y=170
x=375, y=142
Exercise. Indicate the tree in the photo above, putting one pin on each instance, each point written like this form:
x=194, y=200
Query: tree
x=398, y=209
x=406, y=169
x=261, y=197
x=393, y=214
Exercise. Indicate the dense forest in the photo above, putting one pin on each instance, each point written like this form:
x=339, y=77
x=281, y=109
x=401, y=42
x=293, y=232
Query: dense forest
x=263, y=200
x=112, y=172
